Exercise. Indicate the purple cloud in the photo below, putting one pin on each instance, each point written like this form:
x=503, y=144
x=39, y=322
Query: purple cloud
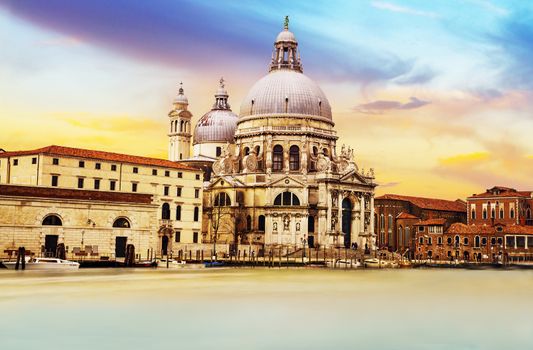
x=381, y=106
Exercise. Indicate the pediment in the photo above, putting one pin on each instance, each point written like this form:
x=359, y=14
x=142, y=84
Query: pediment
x=286, y=181
x=353, y=177
x=225, y=181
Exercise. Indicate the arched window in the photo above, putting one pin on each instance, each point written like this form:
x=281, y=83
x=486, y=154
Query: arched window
x=248, y=223
x=484, y=213
x=246, y=151
x=222, y=200
x=465, y=241
x=294, y=158
x=493, y=213
x=165, y=211
x=382, y=221
x=473, y=214
x=476, y=242
x=181, y=126
x=178, y=213
x=52, y=220
x=511, y=214
x=400, y=236
x=501, y=213
x=310, y=223
x=457, y=240
x=286, y=198
x=196, y=213
x=261, y=223
x=407, y=236
x=277, y=158
x=390, y=223
x=325, y=151
x=528, y=213
x=122, y=223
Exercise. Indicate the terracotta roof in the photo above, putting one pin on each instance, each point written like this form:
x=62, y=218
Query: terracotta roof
x=460, y=228
x=63, y=193
x=504, y=192
x=429, y=203
x=403, y=215
x=99, y=155
x=438, y=221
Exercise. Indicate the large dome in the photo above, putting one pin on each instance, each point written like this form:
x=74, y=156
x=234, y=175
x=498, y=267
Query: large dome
x=285, y=91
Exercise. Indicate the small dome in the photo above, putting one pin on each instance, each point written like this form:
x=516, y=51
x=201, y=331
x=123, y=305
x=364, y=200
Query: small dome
x=286, y=35
x=181, y=98
x=217, y=125
x=286, y=92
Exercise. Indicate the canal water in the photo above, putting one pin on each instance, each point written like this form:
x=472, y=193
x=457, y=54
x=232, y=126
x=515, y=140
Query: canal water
x=266, y=309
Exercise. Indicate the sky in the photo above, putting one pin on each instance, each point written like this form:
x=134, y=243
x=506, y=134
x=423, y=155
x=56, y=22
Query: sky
x=436, y=96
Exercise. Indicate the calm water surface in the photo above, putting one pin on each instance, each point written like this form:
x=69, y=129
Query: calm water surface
x=266, y=309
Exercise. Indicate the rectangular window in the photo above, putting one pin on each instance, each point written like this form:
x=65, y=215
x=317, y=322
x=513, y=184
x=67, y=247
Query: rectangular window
x=112, y=185
x=15, y=162
x=97, y=166
x=133, y=187
x=80, y=182
x=421, y=240
x=178, y=213
x=180, y=174
x=167, y=173
x=96, y=184
x=421, y=228
x=530, y=242
x=177, y=236
x=195, y=237
x=218, y=151
x=196, y=193
x=55, y=180
x=55, y=161
x=135, y=170
x=520, y=241
x=430, y=241
x=197, y=176
x=154, y=172
x=81, y=164
x=113, y=167
x=509, y=242
x=34, y=160
x=178, y=192
x=165, y=190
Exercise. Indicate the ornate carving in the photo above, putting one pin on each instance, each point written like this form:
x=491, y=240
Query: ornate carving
x=250, y=162
x=286, y=222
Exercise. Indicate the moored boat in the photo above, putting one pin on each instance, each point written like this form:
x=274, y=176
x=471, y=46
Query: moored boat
x=44, y=264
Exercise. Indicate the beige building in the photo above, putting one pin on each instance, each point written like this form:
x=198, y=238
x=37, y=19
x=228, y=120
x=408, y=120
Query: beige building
x=157, y=202
x=279, y=179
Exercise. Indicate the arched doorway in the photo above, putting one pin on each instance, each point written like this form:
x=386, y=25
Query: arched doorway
x=347, y=221
x=164, y=245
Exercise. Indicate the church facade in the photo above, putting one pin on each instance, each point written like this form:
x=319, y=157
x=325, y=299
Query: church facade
x=276, y=176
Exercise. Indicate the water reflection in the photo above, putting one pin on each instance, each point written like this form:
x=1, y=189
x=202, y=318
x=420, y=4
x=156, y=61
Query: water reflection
x=266, y=309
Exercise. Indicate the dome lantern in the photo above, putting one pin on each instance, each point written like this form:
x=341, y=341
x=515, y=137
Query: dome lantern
x=285, y=54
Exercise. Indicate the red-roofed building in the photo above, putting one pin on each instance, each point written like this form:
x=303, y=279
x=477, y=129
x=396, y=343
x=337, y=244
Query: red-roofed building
x=501, y=205
x=396, y=216
x=66, y=178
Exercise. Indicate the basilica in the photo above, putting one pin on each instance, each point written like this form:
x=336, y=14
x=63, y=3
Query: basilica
x=273, y=174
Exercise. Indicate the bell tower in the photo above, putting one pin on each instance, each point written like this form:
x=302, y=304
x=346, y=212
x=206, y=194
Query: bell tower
x=179, y=142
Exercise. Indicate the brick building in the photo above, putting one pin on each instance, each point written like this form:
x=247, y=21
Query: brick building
x=396, y=216
x=501, y=205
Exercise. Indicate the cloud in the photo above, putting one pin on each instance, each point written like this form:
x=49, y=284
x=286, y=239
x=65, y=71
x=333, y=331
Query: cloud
x=486, y=94
x=514, y=43
x=118, y=124
x=418, y=75
x=381, y=106
x=389, y=184
x=382, y=5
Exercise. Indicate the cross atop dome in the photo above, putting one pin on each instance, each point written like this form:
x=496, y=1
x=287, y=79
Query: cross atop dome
x=285, y=54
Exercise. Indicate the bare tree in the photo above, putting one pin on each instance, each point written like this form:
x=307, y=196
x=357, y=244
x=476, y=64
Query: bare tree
x=217, y=220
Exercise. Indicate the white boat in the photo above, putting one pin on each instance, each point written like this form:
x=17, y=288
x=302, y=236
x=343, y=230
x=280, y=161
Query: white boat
x=175, y=264
x=378, y=263
x=344, y=263
x=44, y=264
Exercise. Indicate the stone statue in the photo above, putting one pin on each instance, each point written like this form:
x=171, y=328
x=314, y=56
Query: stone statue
x=286, y=222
